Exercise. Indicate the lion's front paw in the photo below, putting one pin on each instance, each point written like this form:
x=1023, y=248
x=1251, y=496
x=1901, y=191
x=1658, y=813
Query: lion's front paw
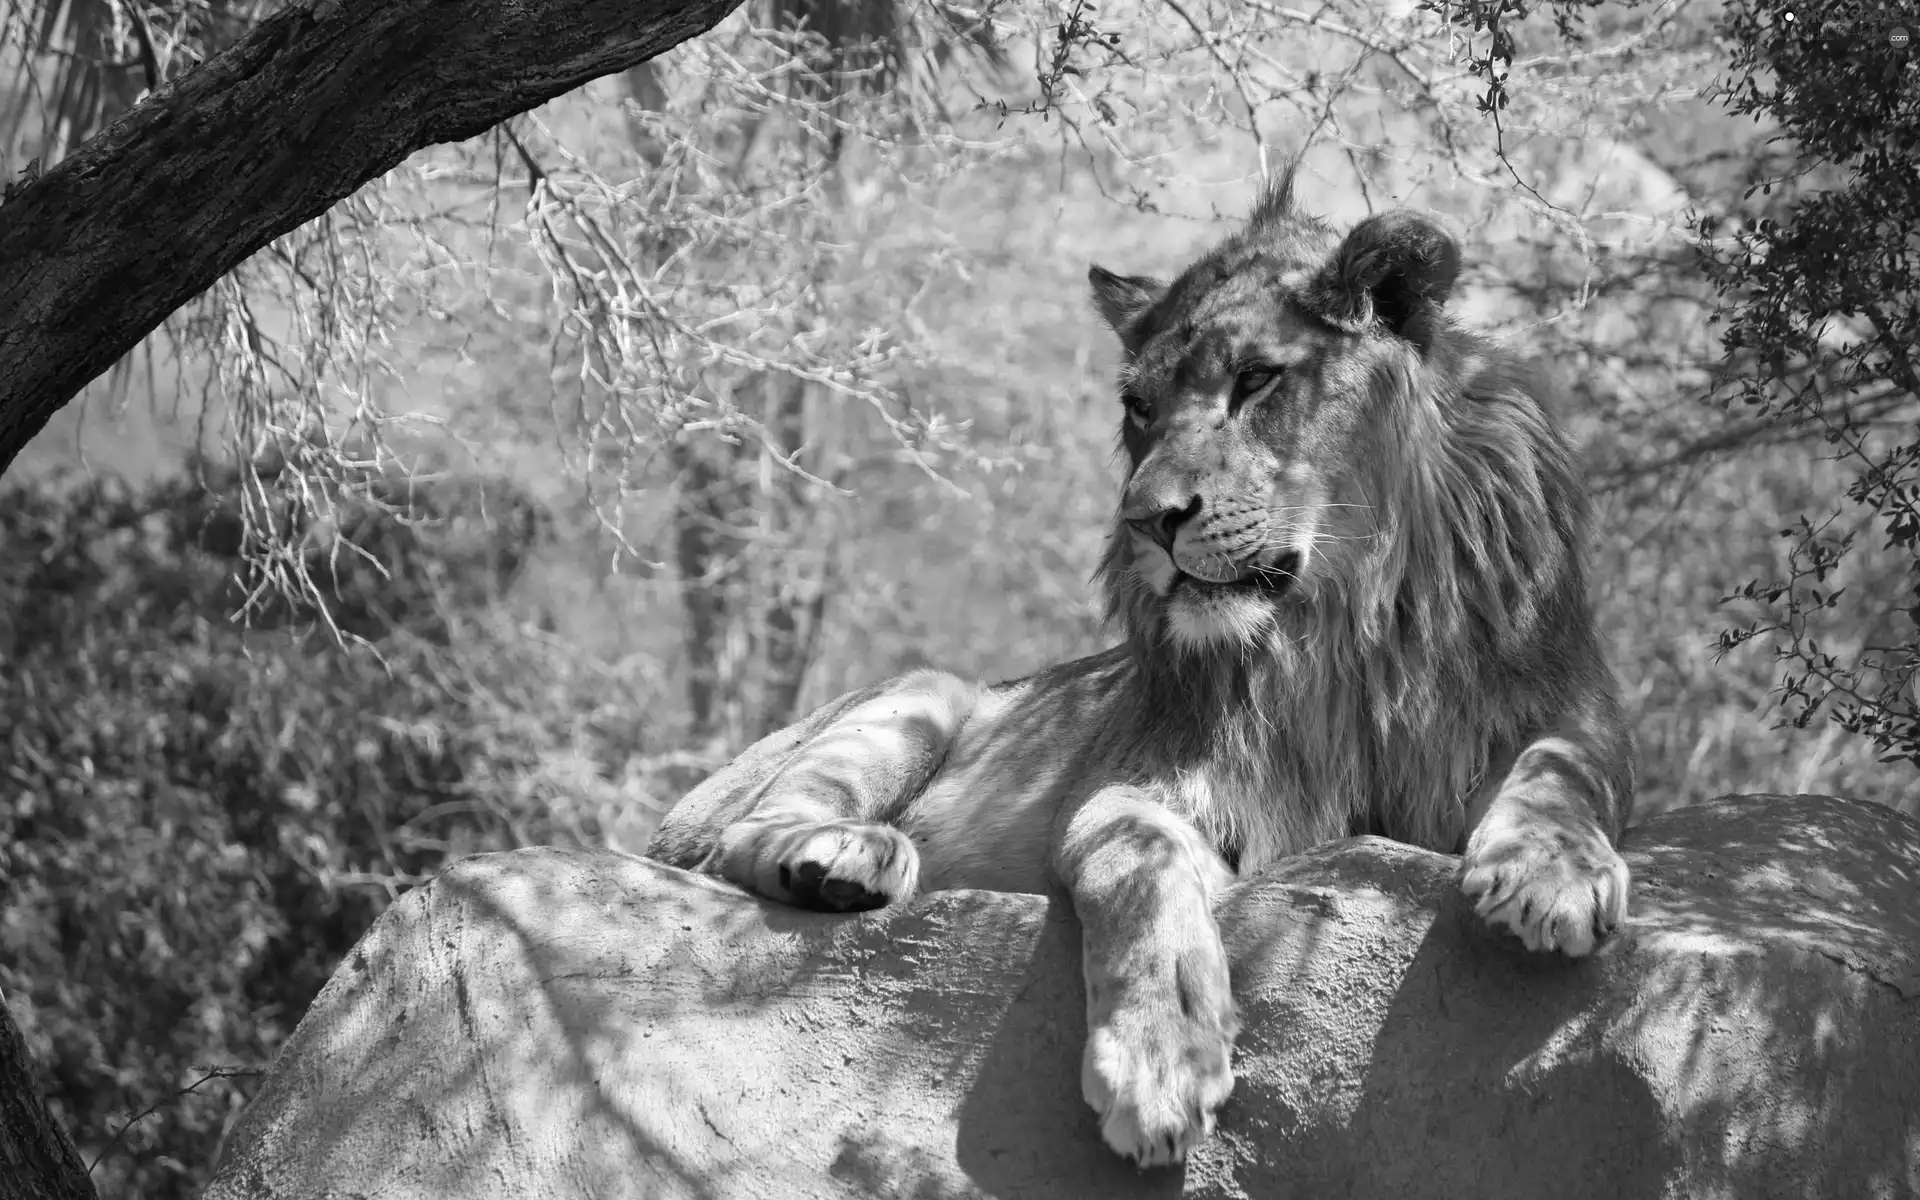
x=831, y=865
x=1155, y=1071
x=1558, y=886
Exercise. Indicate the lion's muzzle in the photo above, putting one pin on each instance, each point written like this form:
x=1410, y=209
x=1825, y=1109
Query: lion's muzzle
x=1219, y=540
x=1159, y=522
x=1273, y=573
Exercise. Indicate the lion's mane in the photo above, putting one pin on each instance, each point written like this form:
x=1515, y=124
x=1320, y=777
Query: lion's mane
x=1424, y=648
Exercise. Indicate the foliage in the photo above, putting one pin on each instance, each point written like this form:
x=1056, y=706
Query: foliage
x=1821, y=317
x=79, y=65
x=197, y=821
x=1497, y=21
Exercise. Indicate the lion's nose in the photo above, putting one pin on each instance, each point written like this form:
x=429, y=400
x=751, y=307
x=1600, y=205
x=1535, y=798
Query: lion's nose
x=1159, y=520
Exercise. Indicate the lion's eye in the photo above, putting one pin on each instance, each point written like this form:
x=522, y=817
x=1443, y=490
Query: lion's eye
x=1253, y=381
x=1138, y=409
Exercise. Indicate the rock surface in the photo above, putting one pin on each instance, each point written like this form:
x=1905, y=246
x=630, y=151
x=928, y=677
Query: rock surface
x=545, y=1023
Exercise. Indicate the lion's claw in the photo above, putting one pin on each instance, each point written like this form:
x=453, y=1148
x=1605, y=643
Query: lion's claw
x=1156, y=1095
x=1159, y=1064
x=810, y=886
x=1555, y=887
x=831, y=865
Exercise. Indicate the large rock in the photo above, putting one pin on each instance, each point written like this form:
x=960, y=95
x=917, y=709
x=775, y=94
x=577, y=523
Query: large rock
x=543, y=1023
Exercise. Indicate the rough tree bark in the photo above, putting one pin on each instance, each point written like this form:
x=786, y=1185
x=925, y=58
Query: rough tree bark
x=37, y=1160
x=320, y=98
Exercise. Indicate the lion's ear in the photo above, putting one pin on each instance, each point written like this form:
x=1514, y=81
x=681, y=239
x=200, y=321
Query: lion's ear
x=1394, y=267
x=1121, y=298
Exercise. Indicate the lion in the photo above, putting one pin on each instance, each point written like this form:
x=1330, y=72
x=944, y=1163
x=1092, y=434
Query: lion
x=1347, y=565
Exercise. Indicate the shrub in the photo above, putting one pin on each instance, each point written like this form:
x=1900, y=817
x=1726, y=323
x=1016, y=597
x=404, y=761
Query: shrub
x=198, y=820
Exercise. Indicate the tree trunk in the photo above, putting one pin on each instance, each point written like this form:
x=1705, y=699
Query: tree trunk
x=320, y=98
x=711, y=544
x=37, y=1161
x=795, y=585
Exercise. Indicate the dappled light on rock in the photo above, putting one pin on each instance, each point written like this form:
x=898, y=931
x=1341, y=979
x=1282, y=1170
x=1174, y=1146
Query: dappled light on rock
x=589, y=1024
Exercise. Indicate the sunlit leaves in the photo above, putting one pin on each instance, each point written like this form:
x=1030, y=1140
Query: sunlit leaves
x=1820, y=315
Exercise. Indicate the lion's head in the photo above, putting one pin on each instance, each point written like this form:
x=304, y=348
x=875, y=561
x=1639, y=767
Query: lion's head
x=1347, y=554
x=1290, y=400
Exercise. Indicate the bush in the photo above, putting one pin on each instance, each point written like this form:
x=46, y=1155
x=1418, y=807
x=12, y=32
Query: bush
x=198, y=820
x=1820, y=316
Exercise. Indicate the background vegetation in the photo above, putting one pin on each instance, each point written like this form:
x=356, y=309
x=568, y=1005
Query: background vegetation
x=503, y=502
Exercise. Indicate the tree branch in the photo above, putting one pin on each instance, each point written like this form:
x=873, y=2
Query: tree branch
x=320, y=98
x=37, y=1161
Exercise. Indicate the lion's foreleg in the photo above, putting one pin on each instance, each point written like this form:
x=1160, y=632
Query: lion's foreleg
x=817, y=835
x=1160, y=1018
x=1540, y=857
